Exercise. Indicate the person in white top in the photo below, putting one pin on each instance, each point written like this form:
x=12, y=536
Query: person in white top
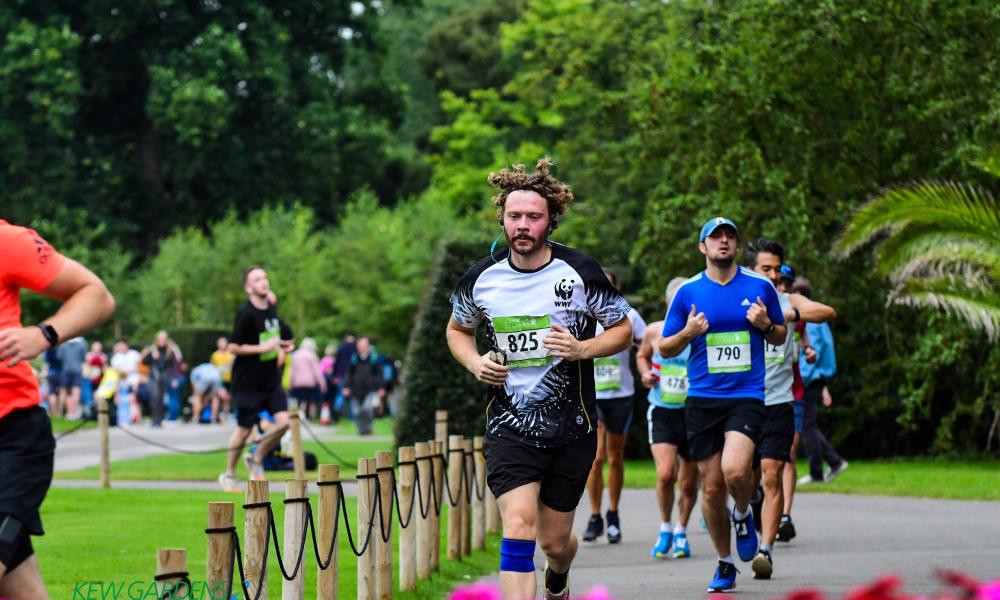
x=615, y=389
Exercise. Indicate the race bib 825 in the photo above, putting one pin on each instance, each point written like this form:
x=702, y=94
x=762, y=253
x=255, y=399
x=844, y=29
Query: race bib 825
x=520, y=337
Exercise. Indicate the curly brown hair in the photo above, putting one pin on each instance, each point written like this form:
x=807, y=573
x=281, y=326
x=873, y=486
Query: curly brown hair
x=555, y=192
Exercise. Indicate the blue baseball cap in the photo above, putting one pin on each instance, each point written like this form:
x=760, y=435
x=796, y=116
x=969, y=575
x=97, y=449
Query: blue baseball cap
x=713, y=224
x=787, y=272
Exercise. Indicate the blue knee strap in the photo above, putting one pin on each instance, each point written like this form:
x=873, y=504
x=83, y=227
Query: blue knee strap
x=517, y=555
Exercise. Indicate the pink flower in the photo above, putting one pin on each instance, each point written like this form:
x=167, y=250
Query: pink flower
x=989, y=591
x=476, y=591
x=599, y=593
x=884, y=588
x=806, y=595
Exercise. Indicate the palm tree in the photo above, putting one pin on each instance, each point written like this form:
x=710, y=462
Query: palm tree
x=938, y=243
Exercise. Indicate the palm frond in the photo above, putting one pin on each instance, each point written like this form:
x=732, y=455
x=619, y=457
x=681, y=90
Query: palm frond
x=988, y=161
x=977, y=306
x=946, y=205
x=919, y=244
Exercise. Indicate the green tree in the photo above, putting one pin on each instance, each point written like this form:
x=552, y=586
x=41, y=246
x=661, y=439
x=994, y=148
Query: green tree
x=154, y=114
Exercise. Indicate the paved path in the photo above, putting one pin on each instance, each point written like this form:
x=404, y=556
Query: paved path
x=842, y=541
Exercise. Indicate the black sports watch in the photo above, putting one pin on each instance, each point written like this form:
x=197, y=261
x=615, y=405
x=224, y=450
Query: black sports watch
x=770, y=330
x=50, y=333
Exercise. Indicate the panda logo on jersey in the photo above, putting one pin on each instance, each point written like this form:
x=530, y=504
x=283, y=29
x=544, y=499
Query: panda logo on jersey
x=564, y=290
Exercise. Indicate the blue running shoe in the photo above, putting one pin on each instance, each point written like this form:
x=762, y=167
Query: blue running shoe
x=725, y=578
x=681, y=547
x=662, y=547
x=747, y=542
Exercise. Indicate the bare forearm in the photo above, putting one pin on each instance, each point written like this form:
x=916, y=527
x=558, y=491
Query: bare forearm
x=248, y=349
x=777, y=337
x=463, y=348
x=87, y=308
x=811, y=311
x=673, y=345
x=612, y=341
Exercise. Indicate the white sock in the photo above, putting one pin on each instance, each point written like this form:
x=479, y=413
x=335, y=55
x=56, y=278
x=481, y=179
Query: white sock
x=680, y=529
x=665, y=527
x=740, y=515
x=727, y=559
x=765, y=547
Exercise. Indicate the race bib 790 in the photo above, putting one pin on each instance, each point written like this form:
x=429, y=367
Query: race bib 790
x=728, y=352
x=520, y=337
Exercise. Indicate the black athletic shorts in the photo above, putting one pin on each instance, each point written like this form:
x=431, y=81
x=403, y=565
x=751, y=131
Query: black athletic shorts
x=615, y=413
x=708, y=420
x=250, y=404
x=666, y=426
x=777, y=433
x=562, y=471
x=27, y=453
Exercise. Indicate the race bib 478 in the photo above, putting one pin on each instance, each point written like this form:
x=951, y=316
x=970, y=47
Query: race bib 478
x=520, y=337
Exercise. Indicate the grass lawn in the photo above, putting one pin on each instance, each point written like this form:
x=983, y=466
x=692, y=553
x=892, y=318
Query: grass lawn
x=914, y=477
x=112, y=536
x=206, y=467
x=60, y=425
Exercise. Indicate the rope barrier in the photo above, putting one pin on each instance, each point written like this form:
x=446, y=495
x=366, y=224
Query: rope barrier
x=385, y=530
x=72, y=430
x=172, y=592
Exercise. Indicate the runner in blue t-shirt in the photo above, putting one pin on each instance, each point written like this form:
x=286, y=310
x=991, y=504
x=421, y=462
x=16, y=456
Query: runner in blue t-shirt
x=725, y=313
x=666, y=379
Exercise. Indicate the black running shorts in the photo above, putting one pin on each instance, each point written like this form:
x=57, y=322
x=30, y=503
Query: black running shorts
x=777, y=433
x=666, y=426
x=708, y=420
x=250, y=404
x=562, y=470
x=615, y=413
x=27, y=452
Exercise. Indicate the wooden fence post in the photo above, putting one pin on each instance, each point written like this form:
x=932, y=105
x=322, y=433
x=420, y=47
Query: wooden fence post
x=478, y=504
x=255, y=538
x=456, y=460
x=172, y=560
x=466, y=493
x=424, y=469
x=329, y=499
x=383, y=557
x=295, y=528
x=438, y=466
x=298, y=457
x=104, y=424
x=441, y=426
x=219, y=553
x=366, y=504
x=409, y=510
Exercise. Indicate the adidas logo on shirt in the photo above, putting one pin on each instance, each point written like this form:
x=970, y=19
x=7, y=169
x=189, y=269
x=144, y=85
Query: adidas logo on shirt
x=745, y=302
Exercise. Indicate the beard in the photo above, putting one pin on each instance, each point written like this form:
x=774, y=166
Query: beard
x=536, y=244
x=722, y=263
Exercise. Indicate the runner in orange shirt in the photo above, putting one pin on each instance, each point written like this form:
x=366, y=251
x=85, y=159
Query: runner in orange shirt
x=27, y=448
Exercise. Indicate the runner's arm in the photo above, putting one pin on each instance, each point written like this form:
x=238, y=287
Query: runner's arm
x=810, y=311
x=86, y=304
x=462, y=344
x=644, y=356
x=250, y=349
x=612, y=340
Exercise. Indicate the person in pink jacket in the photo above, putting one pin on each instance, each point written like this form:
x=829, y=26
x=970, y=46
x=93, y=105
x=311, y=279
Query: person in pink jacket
x=307, y=381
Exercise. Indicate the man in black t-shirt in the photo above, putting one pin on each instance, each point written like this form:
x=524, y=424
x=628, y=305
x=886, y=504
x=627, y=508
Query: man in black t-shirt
x=258, y=337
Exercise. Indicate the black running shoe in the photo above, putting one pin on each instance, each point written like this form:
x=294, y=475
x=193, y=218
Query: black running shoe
x=614, y=528
x=786, y=530
x=595, y=527
x=758, y=507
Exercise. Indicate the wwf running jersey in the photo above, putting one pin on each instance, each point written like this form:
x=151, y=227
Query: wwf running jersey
x=546, y=401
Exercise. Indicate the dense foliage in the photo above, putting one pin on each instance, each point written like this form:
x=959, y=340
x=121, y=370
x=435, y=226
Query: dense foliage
x=432, y=379
x=124, y=124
